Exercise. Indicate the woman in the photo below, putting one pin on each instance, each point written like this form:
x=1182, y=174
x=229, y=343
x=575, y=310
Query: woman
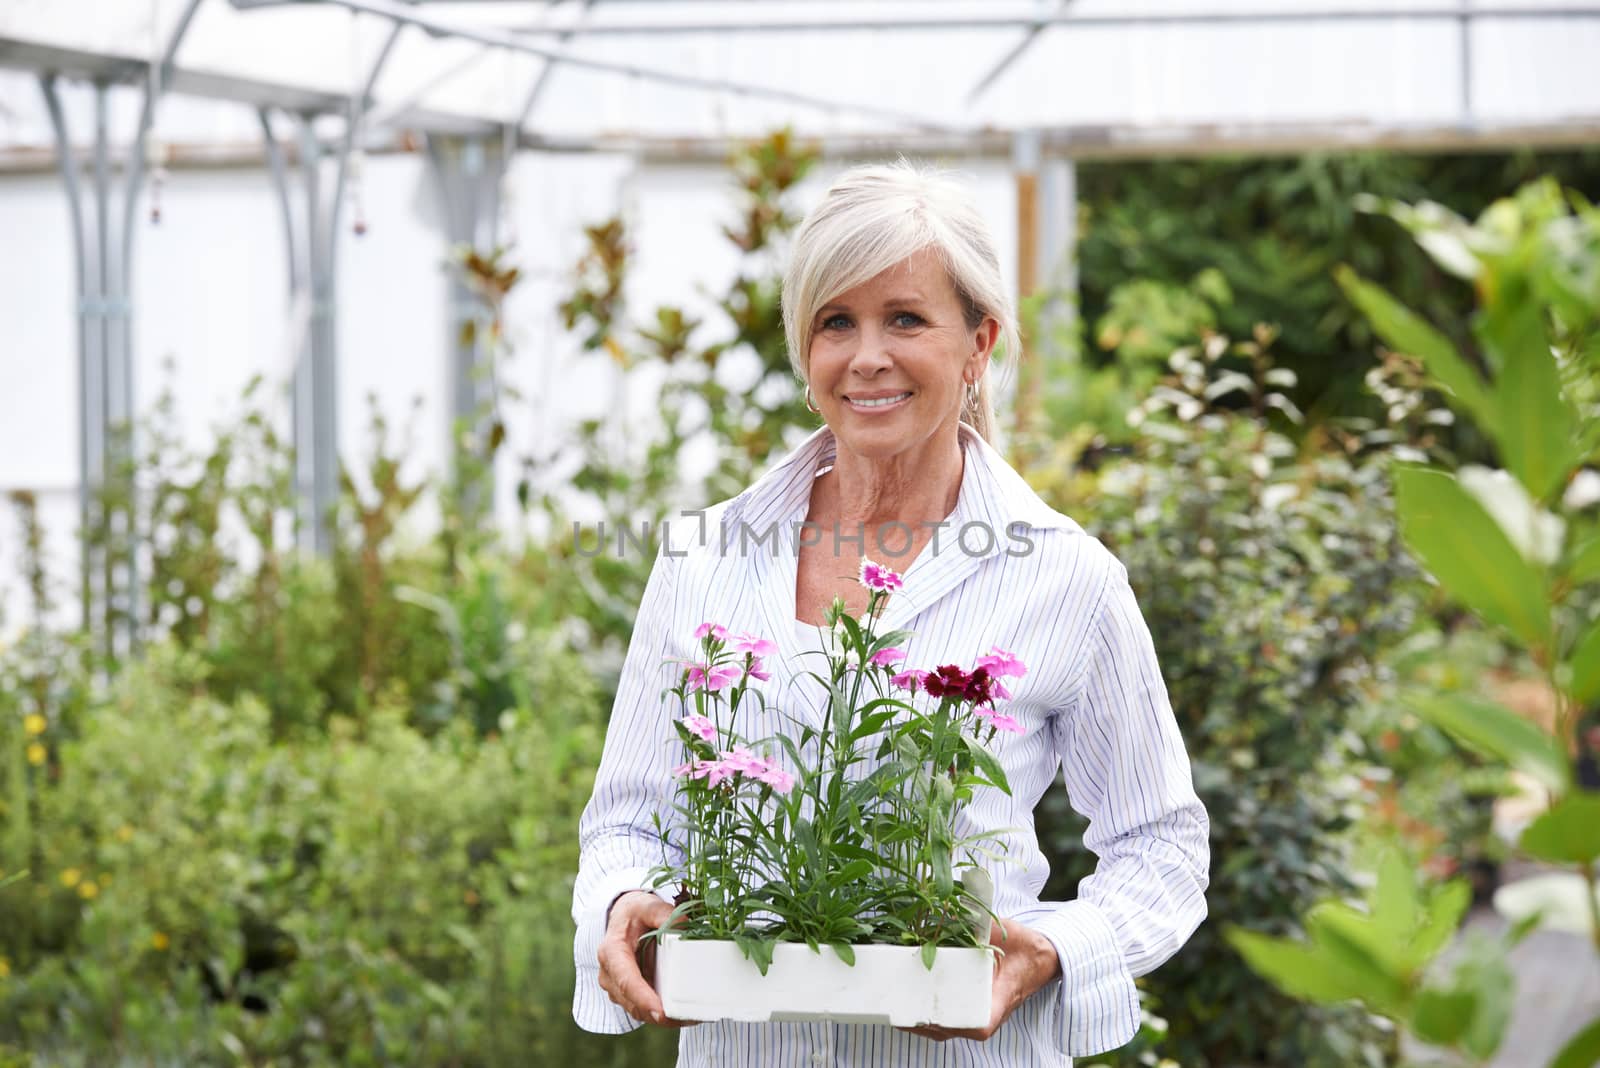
x=893, y=305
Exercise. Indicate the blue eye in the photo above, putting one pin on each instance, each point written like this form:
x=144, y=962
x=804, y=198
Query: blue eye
x=907, y=319
x=842, y=321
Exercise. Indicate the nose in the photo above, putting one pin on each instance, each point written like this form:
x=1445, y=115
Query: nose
x=872, y=354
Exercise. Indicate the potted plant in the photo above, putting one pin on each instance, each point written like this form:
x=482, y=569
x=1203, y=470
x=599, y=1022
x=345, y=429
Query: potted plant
x=820, y=872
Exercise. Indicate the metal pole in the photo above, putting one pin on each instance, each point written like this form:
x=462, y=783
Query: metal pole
x=469, y=172
x=90, y=355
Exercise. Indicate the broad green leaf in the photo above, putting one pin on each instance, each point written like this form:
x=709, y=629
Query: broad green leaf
x=1449, y=904
x=1441, y=1017
x=845, y=952
x=1469, y=554
x=929, y=951
x=1535, y=420
x=1404, y=330
x=1299, y=970
x=1585, y=686
x=1586, y=564
x=1489, y=977
x=988, y=764
x=1497, y=732
x=1394, y=899
x=1568, y=832
x=1582, y=1051
x=1352, y=938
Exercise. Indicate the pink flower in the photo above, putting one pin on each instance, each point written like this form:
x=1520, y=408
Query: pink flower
x=1001, y=663
x=695, y=769
x=720, y=677
x=719, y=771
x=716, y=630
x=749, y=643
x=997, y=689
x=758, y=670
x=877, y=577
x=885, y=657
x=702, y=726
x=909, y=680
x=776, y=778
x=1001, y=722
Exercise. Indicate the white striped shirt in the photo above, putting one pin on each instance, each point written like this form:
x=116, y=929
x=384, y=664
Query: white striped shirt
x=1093, y=704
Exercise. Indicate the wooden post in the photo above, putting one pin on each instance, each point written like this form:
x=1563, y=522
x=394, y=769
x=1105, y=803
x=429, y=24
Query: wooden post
x=1025, y=160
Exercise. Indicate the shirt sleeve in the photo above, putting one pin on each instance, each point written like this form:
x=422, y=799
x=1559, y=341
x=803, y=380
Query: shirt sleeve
x=1126, y=771
x=618, y=840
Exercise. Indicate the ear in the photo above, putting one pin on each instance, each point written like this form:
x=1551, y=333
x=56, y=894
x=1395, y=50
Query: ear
x=984, y=339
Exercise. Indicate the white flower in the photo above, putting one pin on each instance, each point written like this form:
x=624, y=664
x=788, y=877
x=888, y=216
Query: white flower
x=1536, y=533
x=1583, y=491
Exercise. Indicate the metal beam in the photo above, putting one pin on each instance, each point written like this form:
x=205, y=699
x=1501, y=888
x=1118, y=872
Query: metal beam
x=543, y=79
x=999, y=67
x=406, y=13
x=1024, y=20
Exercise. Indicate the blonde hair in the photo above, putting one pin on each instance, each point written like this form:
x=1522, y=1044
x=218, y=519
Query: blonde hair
x=873, y=217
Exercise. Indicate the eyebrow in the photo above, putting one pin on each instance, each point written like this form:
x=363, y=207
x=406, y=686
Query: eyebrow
x=904, y=300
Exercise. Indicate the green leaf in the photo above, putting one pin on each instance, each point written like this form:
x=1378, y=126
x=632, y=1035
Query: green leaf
x=1394, y=899
x=1469, y=554
x=845, y=952
x=929, y=951
x=1586, y=564
x=1585, y=686
x=1297, y=969
x=1582, y=1051
x=1495, y=731
x=1449, y=904
x=1351, y=938
x=1441, y=1017
x=1568, y=832
x=1404, y=330
x=1535, y=421
x=988, y=764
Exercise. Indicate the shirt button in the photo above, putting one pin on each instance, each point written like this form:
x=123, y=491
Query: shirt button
x=817, y=1058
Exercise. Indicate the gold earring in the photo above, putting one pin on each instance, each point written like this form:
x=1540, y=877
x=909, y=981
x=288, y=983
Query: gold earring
x=810, y=404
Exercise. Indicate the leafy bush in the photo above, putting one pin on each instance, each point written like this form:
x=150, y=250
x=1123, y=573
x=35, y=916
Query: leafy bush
x=204, y=894
x=1518, y=549
x=1271, y=581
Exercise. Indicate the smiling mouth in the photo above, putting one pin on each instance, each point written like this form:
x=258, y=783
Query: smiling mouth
x=877, y=402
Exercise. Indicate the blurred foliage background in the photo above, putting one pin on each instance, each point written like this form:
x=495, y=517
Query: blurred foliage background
x=326, y=813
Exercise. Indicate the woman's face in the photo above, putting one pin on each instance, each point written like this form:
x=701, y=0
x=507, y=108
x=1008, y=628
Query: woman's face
x=891, y=359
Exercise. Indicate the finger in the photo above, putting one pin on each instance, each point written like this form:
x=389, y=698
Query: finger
x=628, y=987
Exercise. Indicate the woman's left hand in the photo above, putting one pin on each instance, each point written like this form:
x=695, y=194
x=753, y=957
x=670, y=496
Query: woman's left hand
x=1029, y=962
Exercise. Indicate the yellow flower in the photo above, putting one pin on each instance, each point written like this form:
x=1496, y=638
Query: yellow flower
x=36, y=754
x=88, y=890
x=5, y=967
x=124, y=833
x=34, y=724
x=160, y=941
x=71, y=877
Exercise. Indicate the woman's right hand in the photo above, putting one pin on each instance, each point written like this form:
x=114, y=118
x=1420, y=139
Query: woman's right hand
x=626, y=972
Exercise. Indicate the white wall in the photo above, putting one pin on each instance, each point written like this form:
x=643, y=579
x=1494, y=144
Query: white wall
x=211, y=297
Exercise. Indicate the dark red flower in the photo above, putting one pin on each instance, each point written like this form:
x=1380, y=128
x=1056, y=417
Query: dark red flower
x=947, y=681
x=978, y=686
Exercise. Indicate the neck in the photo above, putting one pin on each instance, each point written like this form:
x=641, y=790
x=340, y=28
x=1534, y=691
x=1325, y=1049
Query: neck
x=920, y=485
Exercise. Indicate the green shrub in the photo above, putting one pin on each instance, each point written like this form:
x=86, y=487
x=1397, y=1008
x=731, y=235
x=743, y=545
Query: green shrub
x=374, y=896
x=1271, y=581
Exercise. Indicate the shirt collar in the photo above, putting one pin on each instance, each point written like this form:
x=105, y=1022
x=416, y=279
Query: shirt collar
x=992, y=492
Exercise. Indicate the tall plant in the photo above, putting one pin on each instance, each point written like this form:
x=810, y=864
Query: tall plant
x=1519, y=547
